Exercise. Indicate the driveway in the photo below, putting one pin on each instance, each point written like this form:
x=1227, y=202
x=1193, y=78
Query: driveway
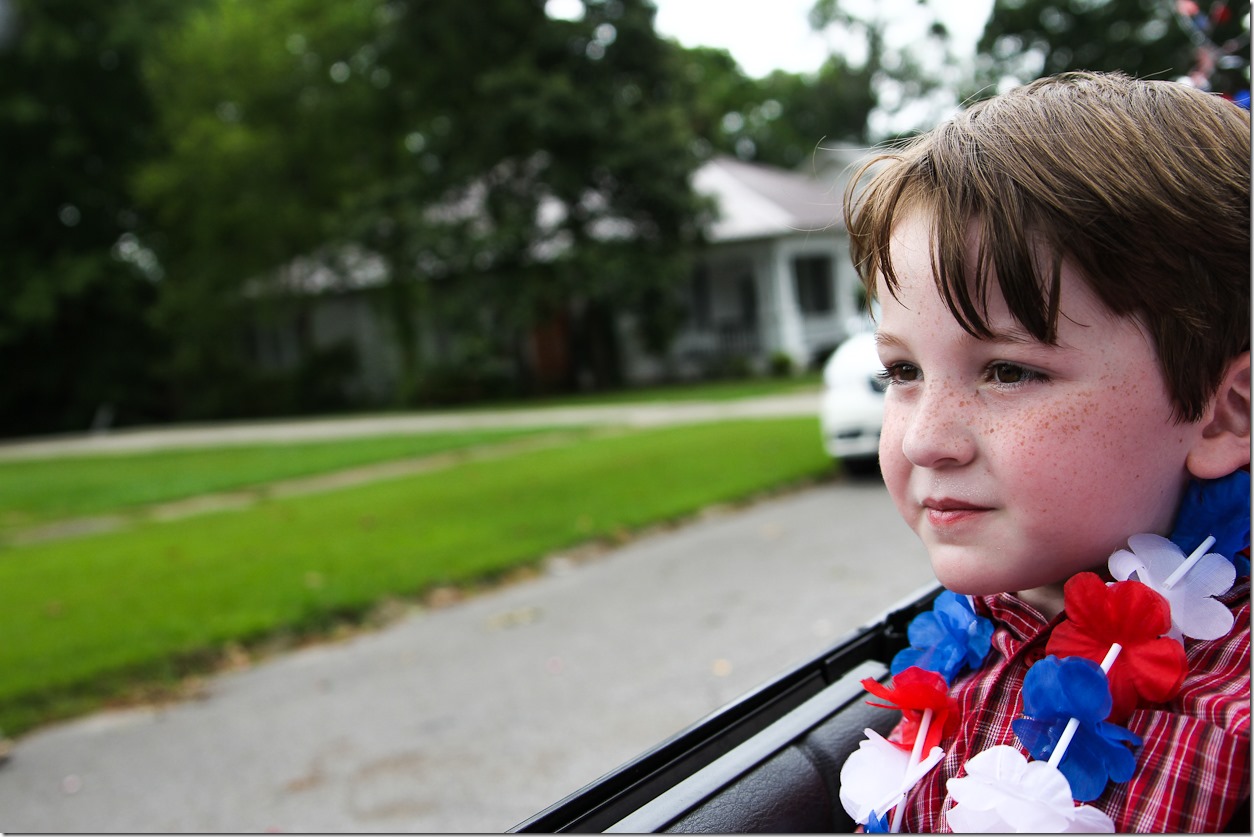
x=474, y=716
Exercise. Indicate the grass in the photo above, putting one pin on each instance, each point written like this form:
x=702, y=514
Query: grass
x=90, y=618
x=725, y=390
x=37, y=491
x=728, y=390
x=33, y=492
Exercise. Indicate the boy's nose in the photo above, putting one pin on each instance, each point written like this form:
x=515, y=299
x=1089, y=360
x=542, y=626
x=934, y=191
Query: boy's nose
x=937, y=433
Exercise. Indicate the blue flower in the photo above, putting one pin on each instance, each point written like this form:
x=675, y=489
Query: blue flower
x=877, y=825
x=1221, y=508
x=946, y=638
x=1057, y=690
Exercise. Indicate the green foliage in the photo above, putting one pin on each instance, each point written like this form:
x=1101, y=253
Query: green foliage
x=1025, y=39
x=577, y=120
x=781, y=365
x=260, y=119
x=86, y=618
x=187, y=166
x=833, y=106
x=454, y=142
x=909, y=70
x=75, y=122
x=780, y=119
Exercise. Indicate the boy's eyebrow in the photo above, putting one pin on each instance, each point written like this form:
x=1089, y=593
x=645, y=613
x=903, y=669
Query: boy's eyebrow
x=1015, y=337
x=884, y=340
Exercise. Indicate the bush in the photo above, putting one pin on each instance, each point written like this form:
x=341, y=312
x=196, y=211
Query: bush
x=781, y=365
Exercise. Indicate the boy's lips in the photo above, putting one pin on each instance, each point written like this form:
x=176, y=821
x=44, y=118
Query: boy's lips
x=946, y=511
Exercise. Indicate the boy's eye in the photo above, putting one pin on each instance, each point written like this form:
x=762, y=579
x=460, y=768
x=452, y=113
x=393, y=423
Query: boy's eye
x=1011, y=373
x=899, y=373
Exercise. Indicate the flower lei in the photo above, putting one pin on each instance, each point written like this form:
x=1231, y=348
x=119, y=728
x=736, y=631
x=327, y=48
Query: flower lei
x=1119, y=647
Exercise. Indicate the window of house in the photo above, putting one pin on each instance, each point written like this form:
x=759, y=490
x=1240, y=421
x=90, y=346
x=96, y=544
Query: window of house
x=813, y=276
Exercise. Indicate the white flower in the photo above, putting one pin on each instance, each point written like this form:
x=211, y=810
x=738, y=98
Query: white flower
x=876, y=776
x=1193, y=612
x=1004, y=792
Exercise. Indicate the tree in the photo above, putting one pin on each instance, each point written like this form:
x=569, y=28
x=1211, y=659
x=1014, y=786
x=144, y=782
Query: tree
x=1025, y=39
x=834, y=105
x=567, y=139
x=263, y=110
x=74, y=122
x=779, y=119
x=506, y=167
x=907, y=61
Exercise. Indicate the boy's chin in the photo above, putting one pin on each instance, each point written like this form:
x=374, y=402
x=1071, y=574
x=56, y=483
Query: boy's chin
x=969, y=583
x=1046, y=598
x=956, y=574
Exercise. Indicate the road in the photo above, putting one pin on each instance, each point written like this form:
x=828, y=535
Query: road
x=474, y=716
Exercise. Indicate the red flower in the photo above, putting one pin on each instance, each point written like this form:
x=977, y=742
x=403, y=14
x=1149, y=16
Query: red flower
x=913, y=691
x=1150, y=667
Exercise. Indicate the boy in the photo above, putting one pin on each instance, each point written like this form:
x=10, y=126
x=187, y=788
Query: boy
x=1064, y=277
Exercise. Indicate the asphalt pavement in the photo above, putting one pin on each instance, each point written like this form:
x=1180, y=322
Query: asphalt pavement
x=473, y=716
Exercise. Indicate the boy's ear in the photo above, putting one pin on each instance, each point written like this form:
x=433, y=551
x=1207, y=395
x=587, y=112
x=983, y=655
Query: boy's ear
x=1224, y=445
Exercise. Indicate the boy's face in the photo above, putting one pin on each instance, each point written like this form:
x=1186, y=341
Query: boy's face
x=1018, y=463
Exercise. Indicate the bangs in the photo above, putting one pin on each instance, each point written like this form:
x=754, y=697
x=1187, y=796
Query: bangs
x=984, y=235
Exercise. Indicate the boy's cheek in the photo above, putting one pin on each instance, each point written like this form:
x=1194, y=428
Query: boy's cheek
x=893, y=464
x=890, y=439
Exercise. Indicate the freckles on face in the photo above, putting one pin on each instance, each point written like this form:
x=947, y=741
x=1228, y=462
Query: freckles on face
x=1019, y=481
x=1086, y=451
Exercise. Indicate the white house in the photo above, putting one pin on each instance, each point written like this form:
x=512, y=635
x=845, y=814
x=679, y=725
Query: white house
x=776, y=280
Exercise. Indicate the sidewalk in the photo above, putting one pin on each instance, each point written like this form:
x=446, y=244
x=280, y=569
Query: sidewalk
x=305, y=430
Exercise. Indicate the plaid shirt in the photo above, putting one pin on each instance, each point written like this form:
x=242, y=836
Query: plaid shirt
x=1193, y=769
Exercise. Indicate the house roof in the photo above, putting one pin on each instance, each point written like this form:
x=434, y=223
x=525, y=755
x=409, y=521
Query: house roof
x=757, y=201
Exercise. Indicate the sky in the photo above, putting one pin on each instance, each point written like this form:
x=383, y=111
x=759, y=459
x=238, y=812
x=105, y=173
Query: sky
x=766, y=35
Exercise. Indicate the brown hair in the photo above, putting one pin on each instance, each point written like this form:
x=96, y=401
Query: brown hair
x=1143, y=186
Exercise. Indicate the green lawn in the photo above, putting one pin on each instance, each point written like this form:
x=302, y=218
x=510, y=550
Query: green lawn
x=33, y=492
x=728, y=390
x=90, y=617
x=37, y=491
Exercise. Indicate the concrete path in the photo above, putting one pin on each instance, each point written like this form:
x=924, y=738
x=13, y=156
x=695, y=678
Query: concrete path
x=475, y=716
x=805, y=403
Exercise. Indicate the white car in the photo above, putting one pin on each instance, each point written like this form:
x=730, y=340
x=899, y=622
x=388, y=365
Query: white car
x=852, y=410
